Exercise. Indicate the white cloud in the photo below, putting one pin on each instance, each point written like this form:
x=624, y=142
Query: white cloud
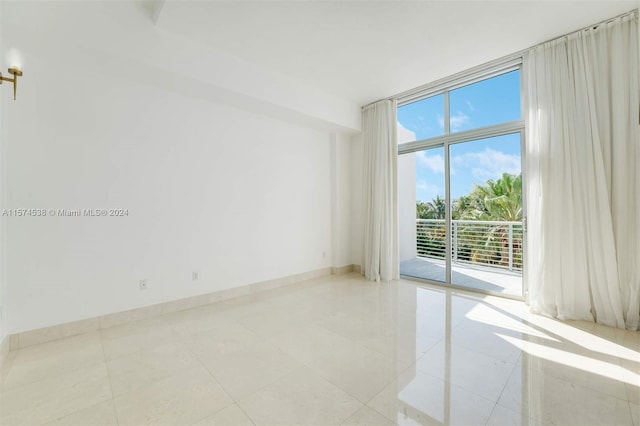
x=427, y=191
x=433, y=162
x=488, y=164
x=470, y=106
x=405, y=135
x=458, y=120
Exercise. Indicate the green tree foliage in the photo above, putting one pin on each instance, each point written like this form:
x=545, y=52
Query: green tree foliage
x=434, y=209
x=499, y=200
x=496, y=200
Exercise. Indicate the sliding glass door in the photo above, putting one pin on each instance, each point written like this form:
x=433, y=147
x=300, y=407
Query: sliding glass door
x=486, y=212
x=460, y=180
x=422, y=209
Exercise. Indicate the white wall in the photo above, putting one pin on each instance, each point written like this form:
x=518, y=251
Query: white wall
x=407, y=198
x=237, y=196
x=3, y=287
x=356, y=200
x=407, y=206
x=341, y=199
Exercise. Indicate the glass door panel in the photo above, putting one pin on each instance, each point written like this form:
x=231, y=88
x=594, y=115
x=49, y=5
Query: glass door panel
x=486, y=213
x=422, y=214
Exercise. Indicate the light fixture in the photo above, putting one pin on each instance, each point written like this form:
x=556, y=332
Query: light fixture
x=15, y=71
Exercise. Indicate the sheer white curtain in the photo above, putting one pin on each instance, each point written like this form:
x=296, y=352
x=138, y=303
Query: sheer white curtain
x=583, y=163
x=380, y=203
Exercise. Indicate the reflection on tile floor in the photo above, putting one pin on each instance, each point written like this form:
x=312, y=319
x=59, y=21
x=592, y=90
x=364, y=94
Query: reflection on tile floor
x=465, y=275
x=337, y=350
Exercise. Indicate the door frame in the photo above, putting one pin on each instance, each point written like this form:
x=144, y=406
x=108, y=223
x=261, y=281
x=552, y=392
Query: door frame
x=448, y=139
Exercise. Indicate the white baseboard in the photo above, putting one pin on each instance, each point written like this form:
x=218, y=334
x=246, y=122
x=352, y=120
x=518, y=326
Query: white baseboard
x=60, y=331
x=341, y=270
x=4, y=351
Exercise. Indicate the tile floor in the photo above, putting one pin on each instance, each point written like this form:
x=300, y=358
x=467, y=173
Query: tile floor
x=337, y=350
x=465, y=275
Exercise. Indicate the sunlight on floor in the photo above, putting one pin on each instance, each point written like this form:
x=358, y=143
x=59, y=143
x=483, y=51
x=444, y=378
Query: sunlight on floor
x=573, y=360
x=335, y=350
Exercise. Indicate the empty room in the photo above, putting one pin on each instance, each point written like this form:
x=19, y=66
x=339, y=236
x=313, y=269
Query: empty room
x=230, y=212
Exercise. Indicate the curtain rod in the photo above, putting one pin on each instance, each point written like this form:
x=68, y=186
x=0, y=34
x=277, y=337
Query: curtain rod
x=589, y=27
x=390, y=98
x=506, y=58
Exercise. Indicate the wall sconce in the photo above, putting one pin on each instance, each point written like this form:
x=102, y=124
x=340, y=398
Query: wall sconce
x=15, y=71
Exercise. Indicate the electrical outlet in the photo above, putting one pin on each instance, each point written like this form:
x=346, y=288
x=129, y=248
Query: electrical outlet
x=143, y=284
x=194, y=276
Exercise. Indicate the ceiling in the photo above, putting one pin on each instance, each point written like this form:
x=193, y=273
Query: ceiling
x=367, y=50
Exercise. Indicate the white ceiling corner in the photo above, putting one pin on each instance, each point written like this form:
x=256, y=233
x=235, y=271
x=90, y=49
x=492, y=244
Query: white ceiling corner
x=366, y=50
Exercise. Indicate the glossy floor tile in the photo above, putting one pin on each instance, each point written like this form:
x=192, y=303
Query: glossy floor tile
x=302, y=397
x=332, y=351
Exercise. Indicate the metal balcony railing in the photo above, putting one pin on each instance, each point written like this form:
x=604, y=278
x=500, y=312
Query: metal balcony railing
x=494, y=244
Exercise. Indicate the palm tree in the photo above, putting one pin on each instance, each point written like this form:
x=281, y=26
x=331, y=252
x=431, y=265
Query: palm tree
x=496, y=200
x=467, y=207
x=431, y=236
x=501, y=200
x=434, y=209
x=422, y=211
x=438, y=207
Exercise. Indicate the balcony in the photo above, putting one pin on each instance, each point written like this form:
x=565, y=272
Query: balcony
x=485, y=255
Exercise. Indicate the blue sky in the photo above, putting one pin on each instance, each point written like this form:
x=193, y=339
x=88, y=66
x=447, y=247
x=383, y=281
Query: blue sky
x=491, y=101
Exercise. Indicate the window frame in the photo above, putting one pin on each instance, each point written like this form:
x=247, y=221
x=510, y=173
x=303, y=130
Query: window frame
x=444, y=86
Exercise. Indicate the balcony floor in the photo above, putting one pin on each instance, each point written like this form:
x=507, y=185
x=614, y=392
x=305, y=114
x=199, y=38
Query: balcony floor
x=471, y=276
